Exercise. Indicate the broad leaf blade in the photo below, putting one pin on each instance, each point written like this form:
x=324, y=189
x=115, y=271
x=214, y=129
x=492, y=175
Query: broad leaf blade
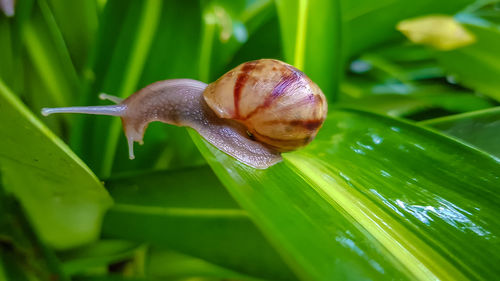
x=419, y=194
x=61, y=195
x=374, y=195
x=316, y=241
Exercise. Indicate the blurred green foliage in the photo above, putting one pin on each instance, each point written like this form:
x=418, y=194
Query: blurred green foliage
x=401, y=183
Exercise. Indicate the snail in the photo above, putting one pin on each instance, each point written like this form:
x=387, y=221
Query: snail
x=252, y=113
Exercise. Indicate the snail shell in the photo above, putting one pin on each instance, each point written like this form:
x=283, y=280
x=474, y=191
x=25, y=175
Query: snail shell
x=253, y=112
x=278, y=104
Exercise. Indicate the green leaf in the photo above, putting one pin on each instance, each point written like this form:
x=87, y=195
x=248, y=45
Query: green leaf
x=315, y=241
x=479, y=128
x=169, y=265
x=430, y=206
x=374, y=198
x=62, y=197
x=190, y=212
x=476, y=66
x=302, y=25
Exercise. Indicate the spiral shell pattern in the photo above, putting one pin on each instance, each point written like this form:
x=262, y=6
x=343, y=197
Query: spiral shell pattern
x=279, y=105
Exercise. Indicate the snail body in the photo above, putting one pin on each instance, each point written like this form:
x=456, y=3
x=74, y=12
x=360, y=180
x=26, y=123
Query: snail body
x=253, y=112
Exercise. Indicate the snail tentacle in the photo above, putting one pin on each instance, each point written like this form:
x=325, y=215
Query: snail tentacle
x=113, y=110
